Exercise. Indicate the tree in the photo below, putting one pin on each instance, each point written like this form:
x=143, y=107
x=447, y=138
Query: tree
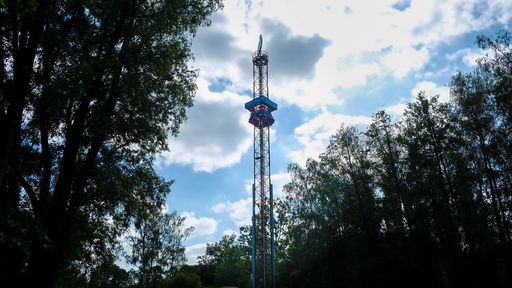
x=228, y=261
x=495, y=73
x=389, y=159
x=89, y=90
x=156, y=247
x=109, y=276
x=482, y=106
x=184, y=280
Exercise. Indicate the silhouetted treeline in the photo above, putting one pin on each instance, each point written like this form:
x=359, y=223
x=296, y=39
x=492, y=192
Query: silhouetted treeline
x=424, y=201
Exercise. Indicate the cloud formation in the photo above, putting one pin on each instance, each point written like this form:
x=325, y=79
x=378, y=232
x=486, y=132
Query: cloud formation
x=405, y=60
x=278, y=181
x=314, y=135
x=431, y=89
x=469, y=56
x=215, y=135
x=203, y=226
x=304, y=65
x=239, y=211
x=292, y=56
x=396, y=109
x=193, y=251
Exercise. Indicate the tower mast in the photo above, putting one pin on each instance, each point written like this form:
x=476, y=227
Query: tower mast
x=262, y=231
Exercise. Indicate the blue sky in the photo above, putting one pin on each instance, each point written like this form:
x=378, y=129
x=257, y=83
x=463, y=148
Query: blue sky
x=332, y=63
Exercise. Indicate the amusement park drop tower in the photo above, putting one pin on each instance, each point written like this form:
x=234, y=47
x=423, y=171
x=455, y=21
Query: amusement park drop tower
x=261, y=107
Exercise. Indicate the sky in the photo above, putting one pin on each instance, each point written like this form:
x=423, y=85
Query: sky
x=331, y=63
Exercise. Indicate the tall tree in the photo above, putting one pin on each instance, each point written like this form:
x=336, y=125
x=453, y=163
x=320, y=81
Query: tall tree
x=482, y=106
x=228, y=261
x=496, y=70
x=156, y=246
x=389, y=168
x=88, y=90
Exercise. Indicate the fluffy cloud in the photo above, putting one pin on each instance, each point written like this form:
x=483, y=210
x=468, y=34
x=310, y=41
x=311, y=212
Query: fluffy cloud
x=229, y=232
x=193, y=251
x=218, y=53
x=403, y=61
x=431, y=89
x=278, y=181
x=410, y=28
x=239, y=211
x=396, y=109
x=314, y=135
x=293, y=56
x=215, y=43
x=403, y=34
x=357, y=74
x=469, y=55
x=215, y=135
x=203, y=226
x=445, y=20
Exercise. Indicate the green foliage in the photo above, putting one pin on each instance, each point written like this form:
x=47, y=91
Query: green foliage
x=184, y=280
x=421, y=202
x=227, y=261
x=109, y=276
x=89, y=91
x=156, y=248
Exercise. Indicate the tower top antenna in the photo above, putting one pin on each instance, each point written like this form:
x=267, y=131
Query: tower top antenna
x=260, y=44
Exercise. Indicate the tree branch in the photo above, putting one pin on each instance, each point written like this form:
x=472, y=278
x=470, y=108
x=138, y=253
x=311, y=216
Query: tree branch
x=34, y=201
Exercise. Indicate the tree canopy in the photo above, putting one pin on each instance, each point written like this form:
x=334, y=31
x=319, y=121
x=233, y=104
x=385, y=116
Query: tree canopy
x=89, y=90
x=424, y=201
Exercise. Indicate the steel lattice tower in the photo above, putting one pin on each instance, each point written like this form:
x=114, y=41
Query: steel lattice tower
x=263, y=239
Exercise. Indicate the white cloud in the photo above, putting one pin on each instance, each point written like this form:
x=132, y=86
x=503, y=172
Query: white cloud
x=229, y=232
x=431, y=89
x=203, y=226
x=216, y=134
x=449, y=19
x=470, y=58
x=403, y=41
x=239, y=211
x=248, y=186
x=357, y=75
x=457, y=54
x=403, y=61
x=193, y=251
x=396, y=109
x=314, y=135
x=469, y=55
x=278, y=181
